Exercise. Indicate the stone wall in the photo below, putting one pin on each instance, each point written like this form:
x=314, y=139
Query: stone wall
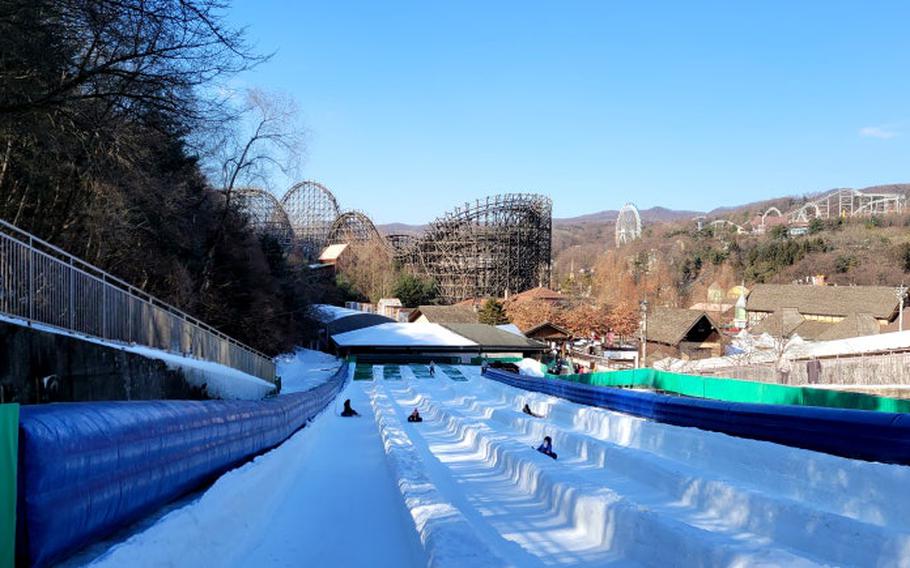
x=37, y=366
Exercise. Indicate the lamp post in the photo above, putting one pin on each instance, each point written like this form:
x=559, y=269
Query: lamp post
x=643, y=305
x=901, y=293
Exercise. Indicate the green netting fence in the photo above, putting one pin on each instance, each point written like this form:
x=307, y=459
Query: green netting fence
x=9, y=448
x=735, y=390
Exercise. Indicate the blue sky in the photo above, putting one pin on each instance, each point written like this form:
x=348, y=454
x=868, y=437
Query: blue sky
x=413, y=107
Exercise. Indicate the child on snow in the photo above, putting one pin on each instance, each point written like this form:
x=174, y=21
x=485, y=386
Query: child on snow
x=547, y=447
x=415, y=417
x=348, y=411
x=527, y=410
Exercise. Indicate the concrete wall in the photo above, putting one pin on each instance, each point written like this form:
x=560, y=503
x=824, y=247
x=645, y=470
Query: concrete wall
x=37, y=366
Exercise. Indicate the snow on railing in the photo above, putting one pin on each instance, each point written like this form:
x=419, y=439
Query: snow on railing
x=43, y=283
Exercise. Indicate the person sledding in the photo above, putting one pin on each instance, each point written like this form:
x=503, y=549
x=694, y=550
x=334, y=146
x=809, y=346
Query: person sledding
x=415, y=416
x=348, y=411
x=547, y=447
x=527, y=410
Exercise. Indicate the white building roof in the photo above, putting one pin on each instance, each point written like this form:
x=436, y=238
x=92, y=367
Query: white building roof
x=326, y=313
x=332, y=252
x=397, y=334
x=511, y=328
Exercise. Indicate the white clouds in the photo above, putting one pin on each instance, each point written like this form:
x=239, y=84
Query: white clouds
x=884, y=132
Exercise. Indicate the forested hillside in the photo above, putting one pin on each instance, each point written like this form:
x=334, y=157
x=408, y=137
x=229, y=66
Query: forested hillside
x=115, y=130
x=674, y=263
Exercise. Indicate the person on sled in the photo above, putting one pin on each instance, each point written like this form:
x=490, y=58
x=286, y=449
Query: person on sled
x=415, y=417
x=527, y=410
x=348, y=411
x=547, y=447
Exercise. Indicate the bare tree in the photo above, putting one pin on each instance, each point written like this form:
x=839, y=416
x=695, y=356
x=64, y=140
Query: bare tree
x=131, y=56
x=267, y=142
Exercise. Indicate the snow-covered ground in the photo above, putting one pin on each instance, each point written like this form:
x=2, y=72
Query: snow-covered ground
x=326, y=497
x=304, y=369
x=468, y=483
x=626, y=490
x=220, y=380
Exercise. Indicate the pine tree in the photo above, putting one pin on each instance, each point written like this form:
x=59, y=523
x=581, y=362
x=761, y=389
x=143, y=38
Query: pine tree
x=492, y=313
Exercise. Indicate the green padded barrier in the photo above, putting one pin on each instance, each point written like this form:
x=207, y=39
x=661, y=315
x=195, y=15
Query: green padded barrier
x=453, y=373
x=9, y=459
x=481, y=360
x=363, y=372
x=735, y=390
x=391, y=372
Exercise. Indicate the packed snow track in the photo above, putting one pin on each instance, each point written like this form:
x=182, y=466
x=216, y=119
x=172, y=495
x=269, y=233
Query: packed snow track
x=627, y=491
x=466, y=487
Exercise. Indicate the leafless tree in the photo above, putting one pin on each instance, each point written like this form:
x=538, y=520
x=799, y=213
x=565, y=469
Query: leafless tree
x=266, y=143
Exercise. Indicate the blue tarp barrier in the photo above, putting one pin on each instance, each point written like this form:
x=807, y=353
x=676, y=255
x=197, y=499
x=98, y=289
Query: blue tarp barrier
x=88, y=469
x=860, y=434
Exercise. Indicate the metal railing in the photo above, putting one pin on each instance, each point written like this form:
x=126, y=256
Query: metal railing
x=43, y=283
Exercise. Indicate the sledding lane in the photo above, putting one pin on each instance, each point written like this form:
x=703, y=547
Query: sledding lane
x=627, y=491
x=325, y=497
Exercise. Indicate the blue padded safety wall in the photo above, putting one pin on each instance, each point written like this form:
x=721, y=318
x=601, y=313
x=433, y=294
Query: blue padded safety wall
x=859, y=434
x=87, y=469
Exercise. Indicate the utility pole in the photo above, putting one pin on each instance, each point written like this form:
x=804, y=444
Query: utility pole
x=901, y=293
x=643, y=305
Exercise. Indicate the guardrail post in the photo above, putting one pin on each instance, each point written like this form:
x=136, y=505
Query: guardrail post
x=104, y=307
x=31, y=279
x=72, y=302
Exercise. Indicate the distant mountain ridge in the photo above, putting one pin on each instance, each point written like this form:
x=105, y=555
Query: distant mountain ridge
x=650, y=215
x=665, y=215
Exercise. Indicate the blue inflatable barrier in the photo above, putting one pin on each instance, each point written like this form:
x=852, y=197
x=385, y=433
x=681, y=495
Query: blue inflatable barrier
x=88, y=469
x=859, y=434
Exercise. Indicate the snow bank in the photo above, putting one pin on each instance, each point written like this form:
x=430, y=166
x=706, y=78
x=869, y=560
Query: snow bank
x=220, y=380
x=531, y=368
x=304, y=369
x=447, y=537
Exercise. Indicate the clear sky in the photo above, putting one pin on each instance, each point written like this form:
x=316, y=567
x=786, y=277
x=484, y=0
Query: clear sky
x=413, y=107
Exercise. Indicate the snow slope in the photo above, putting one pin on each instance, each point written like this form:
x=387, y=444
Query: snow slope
x=323, y=498
x=626, y=490
x=304, y=369
x=466, y=488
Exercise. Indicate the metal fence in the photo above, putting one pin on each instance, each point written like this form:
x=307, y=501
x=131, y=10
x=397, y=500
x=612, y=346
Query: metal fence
x=42, y=283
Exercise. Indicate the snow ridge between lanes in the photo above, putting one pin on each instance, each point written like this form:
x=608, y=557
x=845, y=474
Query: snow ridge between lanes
x=446, y=535
x=608, y=518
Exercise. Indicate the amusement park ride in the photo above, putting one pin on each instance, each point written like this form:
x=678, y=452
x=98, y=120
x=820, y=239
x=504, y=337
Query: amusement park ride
x=486, y=248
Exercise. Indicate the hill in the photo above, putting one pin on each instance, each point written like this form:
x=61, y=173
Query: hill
x=652, y=215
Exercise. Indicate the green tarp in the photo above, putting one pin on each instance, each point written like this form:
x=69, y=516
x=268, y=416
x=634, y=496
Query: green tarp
x=363, y=372
x=9, y=448
x=735, y=390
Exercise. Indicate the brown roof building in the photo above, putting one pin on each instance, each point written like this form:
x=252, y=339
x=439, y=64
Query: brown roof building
x=548, y=332
x=443, y=314
x=820, y=313
x=539, y=293
x=819, y=302
x=678, y=332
